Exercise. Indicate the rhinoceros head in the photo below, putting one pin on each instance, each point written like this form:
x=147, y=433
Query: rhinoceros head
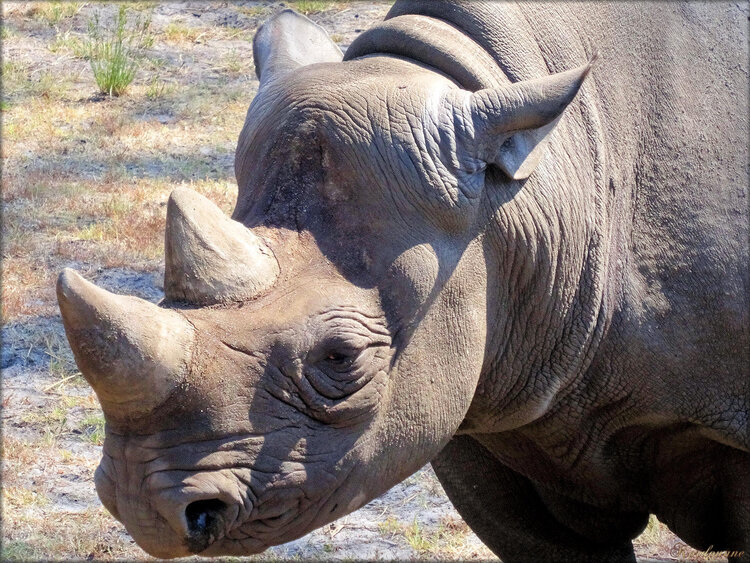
x=327, y=341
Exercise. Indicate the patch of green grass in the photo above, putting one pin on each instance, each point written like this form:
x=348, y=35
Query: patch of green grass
x=70, y=401
x=234, y=64
x=254, y=11
x=15, y=237
x=55, y=11
x=19, y=77
x=10, y=130
x=178, y=31
x=448, y=541
x=158, y=89
x=35, y=191
x=50, y=85
x=61, y=362
x=19, y=497
x=97, y=232
x=114, y=50
x=93, y=428
x=117, y=207
x=418, y=539
x=68, y=43
x=19, y=550
x=7, y=33
x=15, y=74
x=143, y=6
x=153, y=63
x=310, y=6
x=60, y=366
x=51, y=422
x=390, y=526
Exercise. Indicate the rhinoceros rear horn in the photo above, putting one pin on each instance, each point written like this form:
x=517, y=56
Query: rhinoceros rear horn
x=209, y=257
x=288, y=41
x=512, y=124
x=131, y=352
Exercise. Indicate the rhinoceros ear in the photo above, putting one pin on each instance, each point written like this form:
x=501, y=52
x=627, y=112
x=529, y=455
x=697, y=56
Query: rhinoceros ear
x=288, y=41
x=509, y=127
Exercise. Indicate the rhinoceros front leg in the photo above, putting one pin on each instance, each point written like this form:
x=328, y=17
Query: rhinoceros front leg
x=506, y=512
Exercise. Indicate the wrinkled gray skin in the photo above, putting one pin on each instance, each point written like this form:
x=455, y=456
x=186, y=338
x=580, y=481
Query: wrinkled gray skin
x=541, y=288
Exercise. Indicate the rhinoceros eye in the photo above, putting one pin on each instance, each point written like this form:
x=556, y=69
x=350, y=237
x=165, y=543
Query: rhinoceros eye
x=340, y=360
x=336, y=357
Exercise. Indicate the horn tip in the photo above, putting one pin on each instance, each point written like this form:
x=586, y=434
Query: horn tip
x=69, y=282
x=183, y=197
x=79, y=299
x=67, y=275
x=182, y=193
x=593, y=61
x=75, y=295
x=188, y=205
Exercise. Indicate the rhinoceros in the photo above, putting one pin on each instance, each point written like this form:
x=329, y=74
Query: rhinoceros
x=461, y=243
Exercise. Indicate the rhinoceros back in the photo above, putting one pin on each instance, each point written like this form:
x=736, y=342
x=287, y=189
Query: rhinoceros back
x=670, y=119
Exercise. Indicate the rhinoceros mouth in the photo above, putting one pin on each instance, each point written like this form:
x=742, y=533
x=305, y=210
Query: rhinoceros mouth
x=211, y=531
x=273, y=523
x=258, y=534
x=215, y=509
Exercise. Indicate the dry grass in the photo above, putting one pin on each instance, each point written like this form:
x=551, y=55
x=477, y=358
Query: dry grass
x=448, y=541
x=308, y=7
x=658, y=542
x=48, y=501
x=85, y=182
x=52, y=13
x=178, y=32
x=35, y=525
x=91, y=534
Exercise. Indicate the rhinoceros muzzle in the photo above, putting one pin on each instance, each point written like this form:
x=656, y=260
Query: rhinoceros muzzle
x=136, y=354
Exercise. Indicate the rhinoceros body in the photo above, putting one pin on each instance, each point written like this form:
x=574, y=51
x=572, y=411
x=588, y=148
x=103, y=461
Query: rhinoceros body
x=465, y=244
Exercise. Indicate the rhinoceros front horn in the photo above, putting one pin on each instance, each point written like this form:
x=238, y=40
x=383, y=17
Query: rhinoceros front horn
x=131, y=352
x=209, y=257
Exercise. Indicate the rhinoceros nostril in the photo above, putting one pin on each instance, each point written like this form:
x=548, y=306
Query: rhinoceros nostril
x=205, y=520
